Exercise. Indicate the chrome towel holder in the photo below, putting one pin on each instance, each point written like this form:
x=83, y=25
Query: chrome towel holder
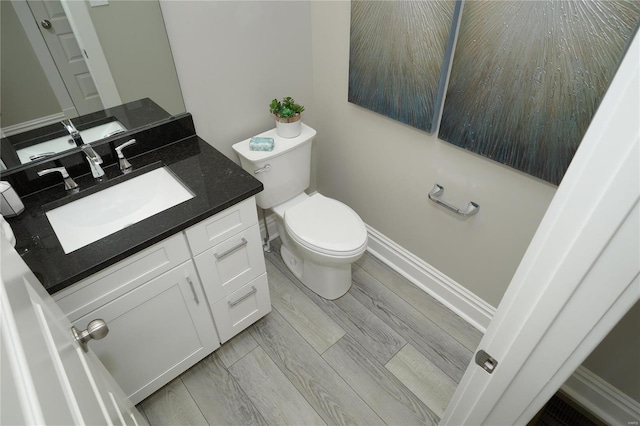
x=436, y=193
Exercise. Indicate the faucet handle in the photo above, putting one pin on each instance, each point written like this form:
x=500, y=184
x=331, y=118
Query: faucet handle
x=125, y=166
x=69, y=183
x=62, y=170
x=124, y=145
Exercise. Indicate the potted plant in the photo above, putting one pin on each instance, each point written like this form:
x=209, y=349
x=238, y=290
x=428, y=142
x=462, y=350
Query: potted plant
x=287, y=113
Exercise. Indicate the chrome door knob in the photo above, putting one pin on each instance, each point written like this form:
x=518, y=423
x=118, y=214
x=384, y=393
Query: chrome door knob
x=96, y=330
x=46, y=24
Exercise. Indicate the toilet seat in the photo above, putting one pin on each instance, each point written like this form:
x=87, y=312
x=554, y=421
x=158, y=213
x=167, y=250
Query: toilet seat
x=326, y=226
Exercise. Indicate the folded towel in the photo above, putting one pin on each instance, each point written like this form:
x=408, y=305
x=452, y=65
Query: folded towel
x=261, y=144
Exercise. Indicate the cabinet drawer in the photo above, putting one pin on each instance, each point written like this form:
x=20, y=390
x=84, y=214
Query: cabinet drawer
x=218, y=228
x=231, y=264
x=96, y=290
x=156, y=332
x=242, y=308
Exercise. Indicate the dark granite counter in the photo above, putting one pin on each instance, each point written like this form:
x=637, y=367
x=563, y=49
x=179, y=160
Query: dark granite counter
x=216, y=181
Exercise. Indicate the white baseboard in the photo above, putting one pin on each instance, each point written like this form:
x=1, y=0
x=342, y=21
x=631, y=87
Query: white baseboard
x=592, y=392
x=33, y=124
x=467, y=305
x=600, y=398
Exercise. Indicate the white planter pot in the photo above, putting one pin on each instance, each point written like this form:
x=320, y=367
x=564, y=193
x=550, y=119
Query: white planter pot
x=289, y=130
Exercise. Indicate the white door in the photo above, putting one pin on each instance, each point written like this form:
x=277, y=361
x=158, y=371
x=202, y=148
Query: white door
x=68, y=56
x=579, y=276
x=46, y=377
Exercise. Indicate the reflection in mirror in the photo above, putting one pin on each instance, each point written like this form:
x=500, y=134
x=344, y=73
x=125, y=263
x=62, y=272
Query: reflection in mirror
x=43, y=143
x=53, y=146
x=36, y=96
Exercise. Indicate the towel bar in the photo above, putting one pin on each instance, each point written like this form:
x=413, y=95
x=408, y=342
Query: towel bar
x=436, y=193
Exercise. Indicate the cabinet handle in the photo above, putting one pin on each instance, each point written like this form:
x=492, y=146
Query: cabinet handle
x=251, y=292
x=231, y=250
x=193, y=290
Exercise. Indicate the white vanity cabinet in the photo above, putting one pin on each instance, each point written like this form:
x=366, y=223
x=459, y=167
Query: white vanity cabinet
x=158, y=318
x=159, y=313
x=227, y=250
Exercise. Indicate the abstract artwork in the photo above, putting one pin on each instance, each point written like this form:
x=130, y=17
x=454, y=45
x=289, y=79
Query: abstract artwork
x=528, y=76
x=396, y=58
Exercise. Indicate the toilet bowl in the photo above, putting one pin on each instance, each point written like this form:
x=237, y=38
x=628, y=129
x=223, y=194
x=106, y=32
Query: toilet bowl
x=321, y=237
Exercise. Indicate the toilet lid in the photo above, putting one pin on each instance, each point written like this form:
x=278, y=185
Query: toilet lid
x=326, y=225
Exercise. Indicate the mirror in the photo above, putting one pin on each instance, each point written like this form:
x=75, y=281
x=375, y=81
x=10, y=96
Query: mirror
x=35, y=95
x=42, y=144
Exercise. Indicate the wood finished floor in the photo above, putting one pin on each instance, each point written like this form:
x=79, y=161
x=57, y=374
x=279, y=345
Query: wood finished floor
x=384, y=353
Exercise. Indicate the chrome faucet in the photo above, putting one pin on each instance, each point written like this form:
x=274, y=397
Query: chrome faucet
x=75, y=134
x=92, y=157
x=94, y=161
x=69, y=183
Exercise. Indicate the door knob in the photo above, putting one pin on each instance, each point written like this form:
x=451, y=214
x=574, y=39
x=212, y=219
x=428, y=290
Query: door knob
x=46, y=24
x=96, y=330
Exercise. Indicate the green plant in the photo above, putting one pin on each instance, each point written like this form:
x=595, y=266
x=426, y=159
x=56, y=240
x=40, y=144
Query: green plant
x=285, y=109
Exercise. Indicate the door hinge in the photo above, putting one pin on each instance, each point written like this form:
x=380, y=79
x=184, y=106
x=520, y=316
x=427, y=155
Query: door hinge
x=486, y=361
x=85, y=53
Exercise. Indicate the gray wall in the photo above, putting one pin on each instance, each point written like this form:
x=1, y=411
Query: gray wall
x=384, y=170
x=25, y=93
x=233, y=58
x=616, y=358
x=231, y=61
x=134, y=41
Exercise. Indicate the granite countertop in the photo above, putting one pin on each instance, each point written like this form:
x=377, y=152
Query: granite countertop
x=216, y=181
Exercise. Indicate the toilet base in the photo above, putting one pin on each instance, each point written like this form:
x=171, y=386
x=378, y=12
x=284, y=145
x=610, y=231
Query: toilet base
x=330, y=282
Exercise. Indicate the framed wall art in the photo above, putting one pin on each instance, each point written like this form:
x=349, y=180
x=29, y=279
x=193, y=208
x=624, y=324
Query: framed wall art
x=528, y=76
x=397, y=53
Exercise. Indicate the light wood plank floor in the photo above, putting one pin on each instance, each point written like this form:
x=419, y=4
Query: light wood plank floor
x=384, y=353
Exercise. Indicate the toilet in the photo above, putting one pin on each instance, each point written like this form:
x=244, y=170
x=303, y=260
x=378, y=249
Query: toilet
x=321, y=237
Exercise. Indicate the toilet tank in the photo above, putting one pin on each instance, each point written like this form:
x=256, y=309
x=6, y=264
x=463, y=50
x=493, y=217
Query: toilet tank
x=285, y=171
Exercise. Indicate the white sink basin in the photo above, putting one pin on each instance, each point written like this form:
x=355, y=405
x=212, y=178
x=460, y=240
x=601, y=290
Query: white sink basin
x=62, y=143
x=95, y=216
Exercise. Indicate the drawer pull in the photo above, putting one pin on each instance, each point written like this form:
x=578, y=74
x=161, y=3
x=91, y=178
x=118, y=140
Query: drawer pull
x=193, y=290
x=252, y=292
x=231, y=250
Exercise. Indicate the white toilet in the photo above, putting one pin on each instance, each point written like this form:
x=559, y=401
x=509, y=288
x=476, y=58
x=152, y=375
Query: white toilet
x=321, y=237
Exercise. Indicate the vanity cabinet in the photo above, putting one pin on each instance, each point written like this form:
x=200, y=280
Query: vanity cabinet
x=158, y=318
x=164, y=304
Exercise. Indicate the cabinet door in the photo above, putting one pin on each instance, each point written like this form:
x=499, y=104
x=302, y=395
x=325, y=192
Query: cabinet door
x=231, y=264
x=45, y=377
x=242, y=308
x=156, y=331
x=83, y=297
